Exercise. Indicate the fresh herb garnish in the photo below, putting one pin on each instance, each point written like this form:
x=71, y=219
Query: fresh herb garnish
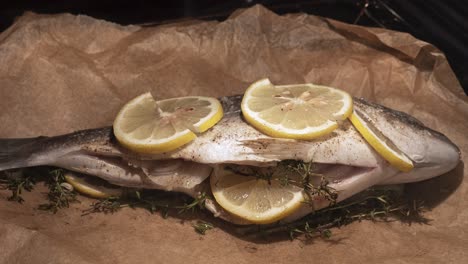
x=308, y=176
x=298, y=173
x=106, y=206
x=373, y=205
x=59, y=195
x=201, y=227
x=17, y=182
x=153, y=201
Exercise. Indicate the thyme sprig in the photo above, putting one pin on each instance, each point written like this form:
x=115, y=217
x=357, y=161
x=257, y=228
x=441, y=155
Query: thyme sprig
x=375, y=204
x=261, y=173
x=17, y=182
x=372, y=205
x=201, y=227
x=298, y=173
x=59, y=196
x=197, y=203
x=107, y=206
x=307, y=173
x=153, y=201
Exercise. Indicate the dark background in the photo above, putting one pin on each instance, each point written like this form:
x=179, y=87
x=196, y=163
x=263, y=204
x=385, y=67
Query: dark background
x=443, y=23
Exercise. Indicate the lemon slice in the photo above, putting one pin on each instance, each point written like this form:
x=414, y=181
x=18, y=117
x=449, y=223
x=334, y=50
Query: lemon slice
x=93, y=187
x=149, y=126
x=299, y=111
x=380, y=143
x=253, y=199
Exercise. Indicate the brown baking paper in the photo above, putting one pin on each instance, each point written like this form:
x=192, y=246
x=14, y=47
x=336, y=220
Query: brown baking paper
x=64, y=73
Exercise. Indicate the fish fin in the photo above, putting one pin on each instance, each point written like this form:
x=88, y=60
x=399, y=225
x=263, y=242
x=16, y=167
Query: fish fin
x=18, y=152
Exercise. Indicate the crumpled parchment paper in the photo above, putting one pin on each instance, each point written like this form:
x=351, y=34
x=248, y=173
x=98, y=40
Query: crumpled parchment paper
x=63, y=73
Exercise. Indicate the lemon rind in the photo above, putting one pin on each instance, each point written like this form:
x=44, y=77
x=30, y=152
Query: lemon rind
x=280, y=131
x=398, y=160
x=212, y=119
x=159, y=146
x=87, y=189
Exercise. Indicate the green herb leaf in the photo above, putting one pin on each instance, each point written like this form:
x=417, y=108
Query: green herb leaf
x=17, y=182
x=201, y=227
x=58, y=196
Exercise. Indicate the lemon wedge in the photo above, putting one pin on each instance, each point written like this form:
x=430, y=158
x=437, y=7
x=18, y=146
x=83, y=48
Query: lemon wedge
x=299, y=111
x=380, y=143
x=93, y=187
x=257, y=200
x=149, y=126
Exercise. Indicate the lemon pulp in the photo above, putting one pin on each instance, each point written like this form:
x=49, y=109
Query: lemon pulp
x=298, y=111
x=149, y=126
x=257, y=200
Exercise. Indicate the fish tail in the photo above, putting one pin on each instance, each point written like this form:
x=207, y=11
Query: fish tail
x=20, y=152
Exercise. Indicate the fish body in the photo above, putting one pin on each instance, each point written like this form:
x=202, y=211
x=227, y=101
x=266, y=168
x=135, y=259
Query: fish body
x=344, y=157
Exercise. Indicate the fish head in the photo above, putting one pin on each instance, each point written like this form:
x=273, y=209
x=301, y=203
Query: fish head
x=432, y=152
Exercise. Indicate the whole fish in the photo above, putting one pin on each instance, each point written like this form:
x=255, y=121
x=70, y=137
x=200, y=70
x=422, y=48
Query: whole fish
x=349, y=163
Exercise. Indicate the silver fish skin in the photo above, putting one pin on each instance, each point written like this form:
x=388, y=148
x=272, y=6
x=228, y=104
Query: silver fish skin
x=343, y=156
